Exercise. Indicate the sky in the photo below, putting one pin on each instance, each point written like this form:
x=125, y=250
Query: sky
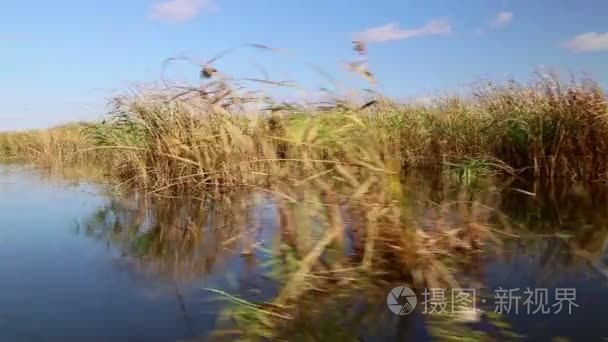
x=61, y=60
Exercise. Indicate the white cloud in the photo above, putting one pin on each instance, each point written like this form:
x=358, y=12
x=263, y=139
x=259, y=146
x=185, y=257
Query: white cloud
x=392, y=31
x=502, y=19
x=180, y=10
x=588, y=42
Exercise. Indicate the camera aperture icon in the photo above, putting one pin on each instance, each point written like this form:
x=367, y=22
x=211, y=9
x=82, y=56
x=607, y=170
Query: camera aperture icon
x=401, y=300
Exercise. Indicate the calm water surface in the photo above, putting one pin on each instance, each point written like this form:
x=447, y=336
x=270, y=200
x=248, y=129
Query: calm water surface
x=76, y=265
x=59, y=283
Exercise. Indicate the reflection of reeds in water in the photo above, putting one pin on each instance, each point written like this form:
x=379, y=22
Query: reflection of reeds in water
x=403, y=249
x=175, y=238
x=563, y=229
x=315, y=243
x=320, y=241
x=315, y=248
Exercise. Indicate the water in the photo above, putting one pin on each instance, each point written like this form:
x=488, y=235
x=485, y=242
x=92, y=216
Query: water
x=60, y=285
x=77, y=265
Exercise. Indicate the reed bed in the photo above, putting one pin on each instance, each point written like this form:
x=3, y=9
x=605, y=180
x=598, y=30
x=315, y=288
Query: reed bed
x=202, y=137
x=53, y=148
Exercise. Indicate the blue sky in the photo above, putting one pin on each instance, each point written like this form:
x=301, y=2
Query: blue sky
x=62, y=59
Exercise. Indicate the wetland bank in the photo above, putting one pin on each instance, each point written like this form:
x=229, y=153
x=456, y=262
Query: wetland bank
x=295, y=223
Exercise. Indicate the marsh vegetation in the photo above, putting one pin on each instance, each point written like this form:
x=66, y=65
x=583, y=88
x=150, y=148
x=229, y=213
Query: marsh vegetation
x=342, y=181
